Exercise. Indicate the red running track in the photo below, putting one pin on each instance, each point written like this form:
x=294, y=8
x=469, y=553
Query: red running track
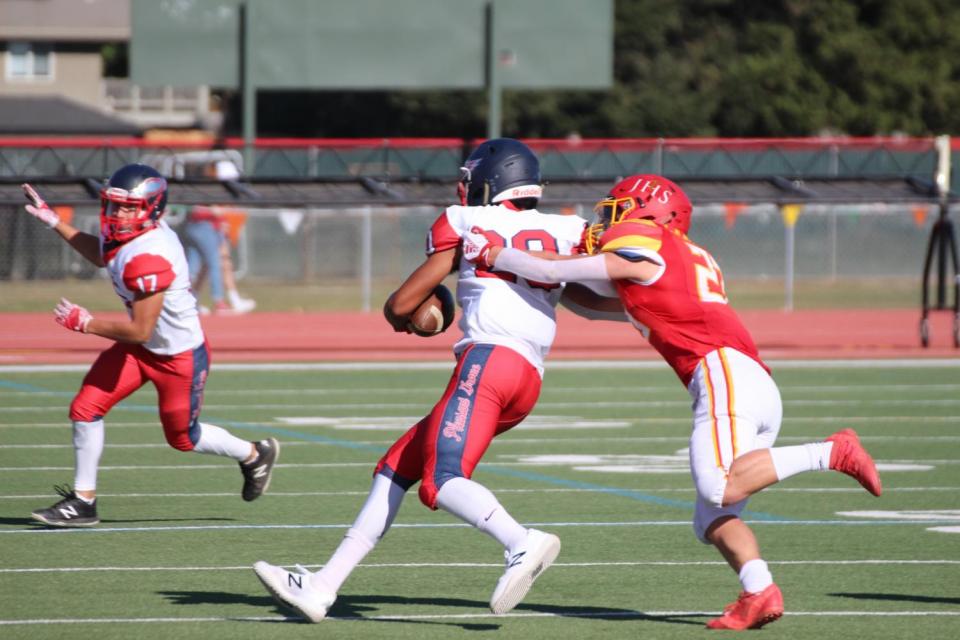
x=32, y=338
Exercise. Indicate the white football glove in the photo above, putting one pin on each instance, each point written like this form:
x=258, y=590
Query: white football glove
x=38, y=208
x=476, y=247
x=72, y=316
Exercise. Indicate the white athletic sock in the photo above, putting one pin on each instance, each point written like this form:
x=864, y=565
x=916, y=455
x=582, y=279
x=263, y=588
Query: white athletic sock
x=88, y=440
x=755, y=576
x=474, y=504
x=789, y=461
x=371, y=525
x=217, y=441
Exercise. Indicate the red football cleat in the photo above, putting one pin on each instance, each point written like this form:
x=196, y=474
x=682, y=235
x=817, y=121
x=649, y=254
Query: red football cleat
x=751, y=610
x=849, y=457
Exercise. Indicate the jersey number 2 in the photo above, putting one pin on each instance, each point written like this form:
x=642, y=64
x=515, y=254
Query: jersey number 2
x=526, y=240
x=709, y=279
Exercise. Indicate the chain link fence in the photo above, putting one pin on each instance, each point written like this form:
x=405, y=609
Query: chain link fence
x=356, y=247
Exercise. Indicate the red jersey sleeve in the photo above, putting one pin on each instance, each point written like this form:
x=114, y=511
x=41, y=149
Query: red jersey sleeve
x=442, y=235
x=148, y=273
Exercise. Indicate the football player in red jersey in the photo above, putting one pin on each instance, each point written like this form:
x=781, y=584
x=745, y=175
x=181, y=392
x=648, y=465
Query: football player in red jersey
x=161, y=342
x=672, y=291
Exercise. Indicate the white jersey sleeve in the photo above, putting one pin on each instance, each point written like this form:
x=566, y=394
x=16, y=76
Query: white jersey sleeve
x=500, y=307
x=153, y=262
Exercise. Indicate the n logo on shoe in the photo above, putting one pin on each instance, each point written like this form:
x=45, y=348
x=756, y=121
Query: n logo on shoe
x=517, y=559
x=294, y=580
x=260, y=471
x=68, y=512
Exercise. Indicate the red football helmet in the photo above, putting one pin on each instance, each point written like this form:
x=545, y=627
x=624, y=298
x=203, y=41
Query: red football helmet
x=646, y=197
x=131, y=202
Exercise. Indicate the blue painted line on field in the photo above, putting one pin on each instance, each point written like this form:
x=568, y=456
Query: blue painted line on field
x=687, y=505
x=19, y=386
x=624, y=493
x=526, y=475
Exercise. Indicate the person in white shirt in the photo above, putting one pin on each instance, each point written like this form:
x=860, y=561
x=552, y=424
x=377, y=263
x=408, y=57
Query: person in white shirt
x=508, y=325
x=161, y=342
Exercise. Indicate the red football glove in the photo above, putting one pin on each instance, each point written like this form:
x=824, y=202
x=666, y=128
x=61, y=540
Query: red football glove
x=72, y=316
x=38, y=208
x=476, y=247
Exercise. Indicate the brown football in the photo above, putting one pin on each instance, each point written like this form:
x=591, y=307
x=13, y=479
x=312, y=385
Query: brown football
x=435, y=314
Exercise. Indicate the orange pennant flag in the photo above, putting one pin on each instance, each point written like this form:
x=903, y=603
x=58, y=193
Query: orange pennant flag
x=919, y=215
x=733, y=209
x=234, y=220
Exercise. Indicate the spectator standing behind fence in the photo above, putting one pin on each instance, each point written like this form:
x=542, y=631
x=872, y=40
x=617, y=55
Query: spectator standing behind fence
x=208, y=250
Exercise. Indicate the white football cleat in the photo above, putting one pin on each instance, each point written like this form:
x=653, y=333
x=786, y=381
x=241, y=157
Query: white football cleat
x=294, y=590
x=524, y=566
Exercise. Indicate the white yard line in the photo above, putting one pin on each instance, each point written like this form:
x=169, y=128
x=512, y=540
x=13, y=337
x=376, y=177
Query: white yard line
x=497, y=565
x=322, y=421
x=453, y=525
x=547, y=389
x=543, y=405
x=881, y=363
x=316, y=494
x=544, y=462
x=503, y=441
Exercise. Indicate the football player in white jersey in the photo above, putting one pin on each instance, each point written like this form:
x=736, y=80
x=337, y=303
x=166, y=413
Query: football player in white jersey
x=508, y=326
x=161, y=342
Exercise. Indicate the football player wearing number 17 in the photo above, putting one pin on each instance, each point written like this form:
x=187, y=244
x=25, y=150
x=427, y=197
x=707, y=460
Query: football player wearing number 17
x=672, y=291
x=161, y=342
x=508, y=325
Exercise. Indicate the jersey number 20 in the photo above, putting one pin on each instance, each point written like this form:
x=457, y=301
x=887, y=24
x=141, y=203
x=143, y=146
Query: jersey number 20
x=526, y=240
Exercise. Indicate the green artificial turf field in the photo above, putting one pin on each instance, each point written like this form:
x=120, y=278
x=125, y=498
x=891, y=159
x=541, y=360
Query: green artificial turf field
x=601, y=462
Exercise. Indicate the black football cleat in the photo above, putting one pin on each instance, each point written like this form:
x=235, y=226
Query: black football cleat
x=71, y=511
x=256, y=475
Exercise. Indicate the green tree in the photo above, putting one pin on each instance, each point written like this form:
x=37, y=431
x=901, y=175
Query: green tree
x=702, y=68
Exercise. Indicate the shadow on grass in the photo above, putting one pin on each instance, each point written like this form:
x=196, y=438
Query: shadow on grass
x=18, y=522
x=357, y=607
x=897, y=597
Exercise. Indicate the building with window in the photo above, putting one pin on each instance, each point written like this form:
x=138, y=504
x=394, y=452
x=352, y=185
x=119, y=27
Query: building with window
x=54, y=48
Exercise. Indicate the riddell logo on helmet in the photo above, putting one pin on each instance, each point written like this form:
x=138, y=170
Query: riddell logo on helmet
x=524, y=192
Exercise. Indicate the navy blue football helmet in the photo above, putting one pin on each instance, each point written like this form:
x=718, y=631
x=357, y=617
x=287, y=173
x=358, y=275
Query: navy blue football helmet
x=131, y=202
x=500, y=169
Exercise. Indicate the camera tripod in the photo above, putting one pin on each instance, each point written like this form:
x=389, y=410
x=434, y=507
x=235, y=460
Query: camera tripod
x=943, y=245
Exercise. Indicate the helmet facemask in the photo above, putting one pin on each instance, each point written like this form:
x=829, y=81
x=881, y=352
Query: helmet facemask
x=465, y=184
x=646, y=197
x=126, y=214
x=608, y=212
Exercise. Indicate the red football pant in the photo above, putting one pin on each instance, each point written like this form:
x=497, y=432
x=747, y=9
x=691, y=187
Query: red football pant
x=124, y=368
x=492, y=389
